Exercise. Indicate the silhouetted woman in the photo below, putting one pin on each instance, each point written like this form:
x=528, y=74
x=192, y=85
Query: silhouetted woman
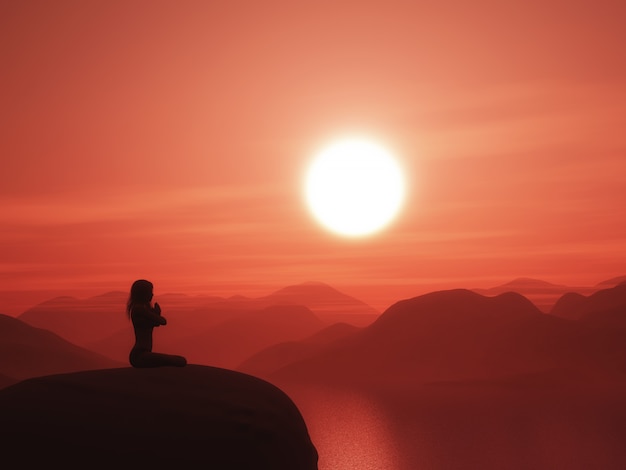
x=145, y=318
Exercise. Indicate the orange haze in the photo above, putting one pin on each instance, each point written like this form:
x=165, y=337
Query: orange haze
x=168, y=140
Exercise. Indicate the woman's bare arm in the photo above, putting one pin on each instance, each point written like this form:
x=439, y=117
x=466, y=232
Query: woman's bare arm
x=150, y=314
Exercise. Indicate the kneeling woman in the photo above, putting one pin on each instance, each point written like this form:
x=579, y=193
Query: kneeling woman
x=145, y=318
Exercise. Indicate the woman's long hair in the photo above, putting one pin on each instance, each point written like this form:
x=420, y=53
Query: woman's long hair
x=140, y=293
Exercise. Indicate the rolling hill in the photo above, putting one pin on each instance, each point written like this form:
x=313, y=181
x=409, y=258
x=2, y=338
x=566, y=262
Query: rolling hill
x=26, y=352
x=325, y=301
x=101, y=320
x=80, y=321
x=231, y=342
x=213, y=330
x=461, y=335
x=282, y=354
x=606, y=307
x=543, y=294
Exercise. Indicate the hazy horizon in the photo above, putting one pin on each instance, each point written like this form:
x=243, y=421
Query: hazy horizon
x=15, y=302
x=388, y=149
x=171, y=143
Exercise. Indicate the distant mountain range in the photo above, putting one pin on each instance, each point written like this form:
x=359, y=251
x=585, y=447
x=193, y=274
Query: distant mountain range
x=448, y=360
x=26, y=352
x=446, y=335
x=611, y=282
x=80, y=321
x=461, y=335
x=543, y=294
x=284, y=353
x=226, y=343
x=209, y=330
x=606, y=307
x=326, y=302
x=232, y=341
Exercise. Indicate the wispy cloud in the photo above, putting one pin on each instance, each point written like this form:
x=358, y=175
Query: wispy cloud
x=121, y=203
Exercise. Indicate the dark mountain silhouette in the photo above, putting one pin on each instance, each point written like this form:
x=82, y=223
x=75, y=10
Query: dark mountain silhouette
x=183, y=322
x=117, y=346
x=527, y=283
x=282, y=354
x=190, y=417
x=461, y=335
x=100, y=322
x=224, y=340
x=326, y=302
x=611, y=282
x=88, y=321
x=606, y=307
x=230, y=342
x=26, y=352
x=80, y=321
x=543, y=294
x=569, y=306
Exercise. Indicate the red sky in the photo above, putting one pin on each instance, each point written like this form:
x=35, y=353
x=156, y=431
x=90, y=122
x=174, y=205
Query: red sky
x=168, y=141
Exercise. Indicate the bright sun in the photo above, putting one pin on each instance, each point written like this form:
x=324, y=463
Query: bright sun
x=354, y=187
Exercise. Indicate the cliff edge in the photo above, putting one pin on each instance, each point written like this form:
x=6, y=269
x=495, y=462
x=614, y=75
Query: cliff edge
x=160, y=418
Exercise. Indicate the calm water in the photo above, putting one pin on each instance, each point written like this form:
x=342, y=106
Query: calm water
x=350, y=430
x=464, y=429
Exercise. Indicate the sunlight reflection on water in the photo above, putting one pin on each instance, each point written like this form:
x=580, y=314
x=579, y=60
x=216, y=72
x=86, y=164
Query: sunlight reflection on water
x=464, y=428
x=349, y=430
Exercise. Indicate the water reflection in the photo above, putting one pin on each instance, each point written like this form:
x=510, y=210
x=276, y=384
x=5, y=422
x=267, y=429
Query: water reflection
x=464, y=428
x=349, y=429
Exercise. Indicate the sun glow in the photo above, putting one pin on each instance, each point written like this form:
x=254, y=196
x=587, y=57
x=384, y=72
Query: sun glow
x=354, y=187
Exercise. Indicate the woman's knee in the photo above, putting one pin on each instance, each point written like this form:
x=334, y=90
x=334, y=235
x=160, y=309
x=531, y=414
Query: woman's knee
x=150, y=359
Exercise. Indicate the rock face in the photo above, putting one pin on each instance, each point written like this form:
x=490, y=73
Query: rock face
x=191, y=417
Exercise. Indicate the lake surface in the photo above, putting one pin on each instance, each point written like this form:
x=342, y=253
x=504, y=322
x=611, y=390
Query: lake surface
x=464, y=428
